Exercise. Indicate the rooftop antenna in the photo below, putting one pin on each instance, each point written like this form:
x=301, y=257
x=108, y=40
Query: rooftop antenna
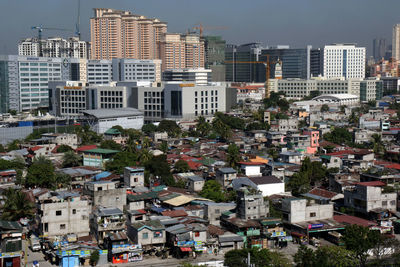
x=78, y=23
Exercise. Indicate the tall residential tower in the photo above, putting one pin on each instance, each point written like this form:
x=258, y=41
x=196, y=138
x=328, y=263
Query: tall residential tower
x=396, y=42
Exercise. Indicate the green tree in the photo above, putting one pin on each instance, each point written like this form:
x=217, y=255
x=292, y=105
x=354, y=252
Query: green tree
x=94, y=258
x=70, y=159
x=144, y=156
x=233, y=155
x=86, y=135
x=121, y=160
x=221, y=129
x=41, y=174
x=64, y=148
x=257, y=126
x=149, y=128
x=181, y=166
x=213, y=191
x=14, y=145
x=339, y=136
x=2, y=149
x=170, y=127
x=110, y=144
x=334, y=256
x=299, y=183
x=160, y=168
x=258, y=257
x=164, y=147
x=62, y=180
x=359, y=240
x=378, y=146
x=17, y=164
x=304, y=257
x=324, y=108
x=16, y=205
x=202, y=126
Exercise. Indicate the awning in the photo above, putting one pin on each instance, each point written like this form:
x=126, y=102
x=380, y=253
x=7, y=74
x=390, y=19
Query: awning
x=186, y=249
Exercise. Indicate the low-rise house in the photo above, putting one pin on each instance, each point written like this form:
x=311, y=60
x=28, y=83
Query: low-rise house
x=195, y=183
x=275, y=138
x=105, y=221
x=133, y=176
x=63, y=213
x=79, y=175
x=251, y=168
x=368, y=197
x=229, y=241
x=150, y=234
x=105, y=194
x=8, y=176
x=251, y=204
x=288, y=125
x=10, y=243
x=97, y=157
x=291, y=157
x=225, y=176
x=323, y=196
x=121, y=250
x=297, y=210
x=213, y=211
x=115, y=135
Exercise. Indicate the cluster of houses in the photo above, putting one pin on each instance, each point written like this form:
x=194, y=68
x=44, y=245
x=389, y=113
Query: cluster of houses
x=124, y=218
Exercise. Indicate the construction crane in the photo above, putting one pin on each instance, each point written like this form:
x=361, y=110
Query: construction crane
x=40, y=30
x=201, y=28
x=267, y=65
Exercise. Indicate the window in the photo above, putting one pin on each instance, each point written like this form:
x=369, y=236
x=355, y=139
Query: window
x=313, y=214
x=62, y=226
x=58, y=212
x=196, y=234
x=46, y=227
x=145, y=235
x=74, y=211
x=157, y=234
x=384, y=203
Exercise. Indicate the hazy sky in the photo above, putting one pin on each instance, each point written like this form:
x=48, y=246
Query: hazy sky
x=271, y=22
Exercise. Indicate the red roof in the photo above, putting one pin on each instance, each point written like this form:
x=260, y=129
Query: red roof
x=55, y=149
x=350, y=152
x=194, y=165
x=347, y=219
x=35, y=148
x=174, y=213
x=251, y=163
x=393, y=166
x=372, y=183
x=84, y=148
x=322, y=193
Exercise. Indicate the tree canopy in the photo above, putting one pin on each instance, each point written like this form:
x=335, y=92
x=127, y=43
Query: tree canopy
x=64, y=148
x=258, y=257
x=325, y=256
x=16, y=205
x=70, y=159
x=339, y=136
x=181, y=166
x=149, y=128
x=121, y=160
x=233, y=155
x=41, y=174
x=159, y=167
x=170, y=127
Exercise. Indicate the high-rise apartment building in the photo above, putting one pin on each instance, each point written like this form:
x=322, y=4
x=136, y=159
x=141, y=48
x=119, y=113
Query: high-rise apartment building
x=181, y=51
x=344, y=61
x=396, y=42
x=379, y=49
x=120, y=34
x=53, y=47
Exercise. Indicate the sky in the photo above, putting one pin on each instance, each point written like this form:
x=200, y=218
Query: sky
x=272, y=22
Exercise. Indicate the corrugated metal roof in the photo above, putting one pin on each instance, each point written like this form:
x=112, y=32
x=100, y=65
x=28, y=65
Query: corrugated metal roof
x=112, y=113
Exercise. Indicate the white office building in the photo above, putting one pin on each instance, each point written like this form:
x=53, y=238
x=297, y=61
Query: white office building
x=396, y=42
x=344, y=61
x=130, y=70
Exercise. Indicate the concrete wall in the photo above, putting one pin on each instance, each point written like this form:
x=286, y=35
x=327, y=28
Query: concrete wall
x=110, y=198
x=213, y=212
x=7, y=135
x=74, y=215
x=299, y=211
x=137, y=236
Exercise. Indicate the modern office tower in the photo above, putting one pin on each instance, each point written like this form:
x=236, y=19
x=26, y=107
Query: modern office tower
x=181, y=51
x=131, y=70
x=368, y=89
x=67, y=98
x=379, y=49
x=120, y=34
x=344, y=60
x=53, y=47
x=26, y=80
x=188, y=101
x=149, y=100
x=391, y=85
x=396, y=42
x=236, y=70
x=316, y=62
x=198, y=76
x=371, y=89
x=99, y=71
x=214, y=47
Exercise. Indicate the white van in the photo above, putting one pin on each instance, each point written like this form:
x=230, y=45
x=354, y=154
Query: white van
x=35, y=243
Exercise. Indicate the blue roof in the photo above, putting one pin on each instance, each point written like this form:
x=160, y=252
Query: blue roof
x=157, y=209
x=102, y=175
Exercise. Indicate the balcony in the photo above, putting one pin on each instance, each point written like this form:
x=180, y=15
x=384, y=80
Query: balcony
x=111, y=226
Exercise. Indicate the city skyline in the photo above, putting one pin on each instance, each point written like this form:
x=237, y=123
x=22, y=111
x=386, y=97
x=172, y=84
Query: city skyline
x=244, y=23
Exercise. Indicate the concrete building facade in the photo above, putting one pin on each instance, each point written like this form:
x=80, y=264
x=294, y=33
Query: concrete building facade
x=251, y=205
x=396, y=42
x=302, y=210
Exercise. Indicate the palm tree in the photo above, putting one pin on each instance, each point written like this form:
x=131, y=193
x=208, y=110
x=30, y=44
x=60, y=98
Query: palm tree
x=145, y=155
x=16, y=206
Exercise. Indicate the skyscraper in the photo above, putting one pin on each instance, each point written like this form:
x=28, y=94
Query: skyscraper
x=396, y=42
x=379, y=49
x=215, y=57
x=344, y=60
x=120, y=34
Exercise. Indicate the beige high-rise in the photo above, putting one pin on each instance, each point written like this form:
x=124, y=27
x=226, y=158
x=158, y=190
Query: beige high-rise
x=120, y=34
x=396, y=42
x=181, y=51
